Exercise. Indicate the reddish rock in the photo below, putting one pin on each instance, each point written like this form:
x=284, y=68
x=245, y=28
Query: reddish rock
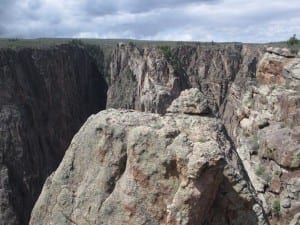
x=275, y=186
x=270, y=69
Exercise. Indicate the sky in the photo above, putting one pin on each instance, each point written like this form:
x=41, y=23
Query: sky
x=186, y=20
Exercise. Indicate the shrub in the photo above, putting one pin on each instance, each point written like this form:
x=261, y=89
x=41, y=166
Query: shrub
x=253, y=143
x=172, y=57
x=276, y=207
x=166, y=51
x=131, y=44
x=293, y=43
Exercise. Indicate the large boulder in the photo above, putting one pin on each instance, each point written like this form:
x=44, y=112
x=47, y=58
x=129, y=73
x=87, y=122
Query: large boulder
x=280, y=145
x=122, y=163
x=127, y=167
x=190, y=101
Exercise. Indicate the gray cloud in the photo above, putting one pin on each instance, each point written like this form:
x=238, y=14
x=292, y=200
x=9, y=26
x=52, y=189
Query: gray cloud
x=5, y=8
x=203, y=20
x=134, y=6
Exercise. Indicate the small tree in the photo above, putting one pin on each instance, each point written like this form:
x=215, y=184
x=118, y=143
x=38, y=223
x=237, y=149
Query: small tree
x=293, y=40
x=294, y=44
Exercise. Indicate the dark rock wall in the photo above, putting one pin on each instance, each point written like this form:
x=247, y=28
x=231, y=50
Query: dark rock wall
x=45, y=96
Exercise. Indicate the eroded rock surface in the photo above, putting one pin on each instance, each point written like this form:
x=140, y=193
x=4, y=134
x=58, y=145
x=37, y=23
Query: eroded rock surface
x=128, y=167
x=268, y=135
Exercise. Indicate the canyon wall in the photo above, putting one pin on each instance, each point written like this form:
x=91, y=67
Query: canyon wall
x=149, y=79
x=45, y=96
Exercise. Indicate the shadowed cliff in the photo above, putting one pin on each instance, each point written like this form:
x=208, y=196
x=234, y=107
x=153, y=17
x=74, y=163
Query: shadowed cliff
x=45, y=96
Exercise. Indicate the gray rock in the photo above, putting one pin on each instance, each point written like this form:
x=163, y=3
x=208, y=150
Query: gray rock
x=295, y=220
x=293, y=186
x=280, y=51
x=190, y=101
x=285, y=202
x=292, y=69
x=280, y=144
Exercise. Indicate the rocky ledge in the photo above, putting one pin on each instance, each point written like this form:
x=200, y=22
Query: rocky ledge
x=128, y=167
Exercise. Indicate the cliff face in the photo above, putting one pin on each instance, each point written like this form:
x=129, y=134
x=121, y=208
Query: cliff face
x=267, y=134
x=127, y=167
x=45, y=96
x=149, y=79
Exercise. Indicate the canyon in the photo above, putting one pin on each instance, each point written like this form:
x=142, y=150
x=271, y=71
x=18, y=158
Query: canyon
x=199, y=134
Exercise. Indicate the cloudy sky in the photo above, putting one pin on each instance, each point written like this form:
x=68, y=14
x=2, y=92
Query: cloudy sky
x=198, y=20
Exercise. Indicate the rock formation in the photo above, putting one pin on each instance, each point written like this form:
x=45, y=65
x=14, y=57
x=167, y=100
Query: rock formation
x=123, y=162
x=128, y=167
x=45, y=96
x=190, y=101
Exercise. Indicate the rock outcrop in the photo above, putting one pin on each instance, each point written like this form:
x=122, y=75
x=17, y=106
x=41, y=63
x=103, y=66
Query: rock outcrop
x=128, y=167
x=45, y=96
x=190, y=101
x=268, y=136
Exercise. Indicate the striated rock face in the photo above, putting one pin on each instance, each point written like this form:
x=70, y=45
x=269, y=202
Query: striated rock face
x=45, y=95
x=127, y=167
x=142, y=79
x=149, y=79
